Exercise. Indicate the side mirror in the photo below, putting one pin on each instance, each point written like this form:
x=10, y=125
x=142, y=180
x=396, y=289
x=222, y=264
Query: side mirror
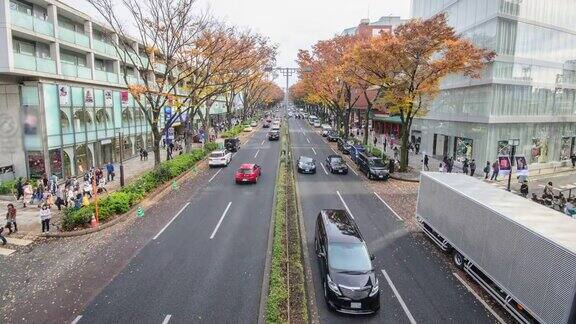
x=372, y=257
x=321, y=255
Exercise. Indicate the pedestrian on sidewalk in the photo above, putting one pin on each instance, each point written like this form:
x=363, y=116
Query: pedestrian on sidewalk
x=524, y=189
x=375, y=141
x=19, y=189
x=53, y=183
x=45, y=215
x=2, y=238
x=426, y=162
x=11, y=219
x=573, y=159
x=60, y=197
x=385, y=144
x=495, y=170
x=472, y=167
x=450, y=165
x=27, y=194
x=395, y=152
x=465, y=167
x=110, y=171
x=487, y=170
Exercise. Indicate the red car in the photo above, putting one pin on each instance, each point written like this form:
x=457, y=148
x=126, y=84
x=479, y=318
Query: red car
x=248, y=173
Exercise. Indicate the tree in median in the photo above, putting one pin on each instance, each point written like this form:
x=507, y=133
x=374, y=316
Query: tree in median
x=410, y=64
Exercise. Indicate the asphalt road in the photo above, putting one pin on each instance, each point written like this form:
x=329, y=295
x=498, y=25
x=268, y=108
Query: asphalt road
x=425, y=289
x=207, y=264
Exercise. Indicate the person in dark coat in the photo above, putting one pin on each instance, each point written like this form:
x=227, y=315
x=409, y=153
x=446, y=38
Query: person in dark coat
x=465, y=166
x=426, y=162
x=472, y=167
x=391, y=166
x=524, y=189
x=573, y=159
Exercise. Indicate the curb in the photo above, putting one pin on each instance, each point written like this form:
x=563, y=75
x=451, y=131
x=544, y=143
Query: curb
x=309, y=281
x=404, y=179
x=152, y=196
x=265, y=287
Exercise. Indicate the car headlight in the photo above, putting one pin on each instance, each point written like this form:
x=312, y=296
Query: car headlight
x=333, y=286
x=375, y=288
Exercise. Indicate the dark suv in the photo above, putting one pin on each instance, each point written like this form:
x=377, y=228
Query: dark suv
x=332, y=136
x=336, y=164
x=373, y=167
x=344, y=145
x=273, y=135
x=232, y=144
x=348, y=279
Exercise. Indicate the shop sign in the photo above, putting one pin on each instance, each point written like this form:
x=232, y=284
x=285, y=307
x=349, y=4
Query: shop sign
x=106, y=141
x=504, y=165
x=89, y=97
x=124, y=98
x=64, y=95
x=108, y=101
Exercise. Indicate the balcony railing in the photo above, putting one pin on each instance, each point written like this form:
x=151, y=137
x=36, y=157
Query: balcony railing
x=73, y=37
x=104, y=48
x=76, y=71
x=32, y=23
x=33, y=63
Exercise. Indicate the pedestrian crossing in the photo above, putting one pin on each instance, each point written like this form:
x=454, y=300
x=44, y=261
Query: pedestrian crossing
x=5, y=252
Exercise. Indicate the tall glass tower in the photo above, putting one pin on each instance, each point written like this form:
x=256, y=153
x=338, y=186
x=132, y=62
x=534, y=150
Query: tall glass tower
x=526, y=94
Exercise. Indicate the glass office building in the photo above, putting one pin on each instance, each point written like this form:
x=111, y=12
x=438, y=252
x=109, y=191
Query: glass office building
x=527, y=93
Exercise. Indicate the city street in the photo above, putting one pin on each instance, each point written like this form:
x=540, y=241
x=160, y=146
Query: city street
x=415, y=285
x=212, y=254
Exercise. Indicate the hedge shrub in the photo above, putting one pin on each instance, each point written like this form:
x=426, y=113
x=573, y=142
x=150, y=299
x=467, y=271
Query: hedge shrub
x=233, y=132
x=121, y=201
x=211, y=146
x=6, y=187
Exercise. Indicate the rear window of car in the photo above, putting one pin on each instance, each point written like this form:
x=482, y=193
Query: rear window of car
x=336, y=159
x=246, y=171
x=306, y=159
x=217, y=155
x=377, y=163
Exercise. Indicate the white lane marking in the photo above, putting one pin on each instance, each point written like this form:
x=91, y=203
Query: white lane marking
x=322, y=165
x=349, y=168
x=255, y=155
x=344, y=203
x=308, y=140
x=313, y=150
x=393, y=212
x=333, y=150
x=214, y=176
x=220, y=221
x=498, y=318
x=170, y=222
x=166, y=319
x=262, y=142
x=76, y=319
x=400, y=300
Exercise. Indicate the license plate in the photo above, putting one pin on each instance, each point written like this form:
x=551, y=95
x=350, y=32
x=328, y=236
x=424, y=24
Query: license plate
x=380, y=176
x=307, y=170
x=355, y=305
x=244, y=179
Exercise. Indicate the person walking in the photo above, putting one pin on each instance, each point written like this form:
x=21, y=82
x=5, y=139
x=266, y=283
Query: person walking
x=487, y=170
x=395, y=152
x=524, y=189
x=11, y=219
x=110, y=171
x=45, y=215
x=2, y=238
x=375, y=140
x=19, y=189
x=426, y=162
x=465, y=167
x=27, y=194
x=548, y=191
x=495, y=170
x=573, y=159
x=441, y=167
x=449, y=165
x=53, y=183
x=60, y=197
x=472, y=167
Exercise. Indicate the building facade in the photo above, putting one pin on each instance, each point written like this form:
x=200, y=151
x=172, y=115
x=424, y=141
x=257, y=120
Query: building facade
x=64, y=104
x=526, y=94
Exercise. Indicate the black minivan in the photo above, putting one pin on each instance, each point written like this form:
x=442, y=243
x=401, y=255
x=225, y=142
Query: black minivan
x=373, y=167
x=232, y=144
x=348, y=279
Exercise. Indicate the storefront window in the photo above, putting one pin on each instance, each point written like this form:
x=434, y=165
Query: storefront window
x=462, y=149
x=36, y=164
x=56, y=162
x=503, y=148
x=566, y=148
x=67, y=165
x=539, y=150
x=83, y=159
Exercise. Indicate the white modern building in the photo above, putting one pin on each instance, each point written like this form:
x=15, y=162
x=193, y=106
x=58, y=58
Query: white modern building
x=528, y=92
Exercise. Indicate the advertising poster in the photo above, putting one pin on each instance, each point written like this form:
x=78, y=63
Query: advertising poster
x=124, y=98
x=89, y=97
x=108, y=101
x=64, y=95
x=504, y=164
x=521, y=165
x=167, y=114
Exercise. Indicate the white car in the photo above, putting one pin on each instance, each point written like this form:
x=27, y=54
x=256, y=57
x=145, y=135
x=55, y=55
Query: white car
x=247, y=128
x=219, y=158
x=316, y=123
x=326, y=129
x=275, y=126
x=254, y=124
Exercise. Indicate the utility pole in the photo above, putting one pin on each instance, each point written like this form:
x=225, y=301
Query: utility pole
x=121, y=139
x=287, y=72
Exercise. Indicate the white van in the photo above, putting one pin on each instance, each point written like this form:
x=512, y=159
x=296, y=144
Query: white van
x=326, y=129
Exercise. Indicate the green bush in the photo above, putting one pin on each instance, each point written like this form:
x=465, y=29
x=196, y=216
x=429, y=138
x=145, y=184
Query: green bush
x=233, y=132
x=121, y=201
x=211, y=146
x=6, y=187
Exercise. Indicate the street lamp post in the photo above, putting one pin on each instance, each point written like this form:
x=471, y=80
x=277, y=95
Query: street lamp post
x=512, y=143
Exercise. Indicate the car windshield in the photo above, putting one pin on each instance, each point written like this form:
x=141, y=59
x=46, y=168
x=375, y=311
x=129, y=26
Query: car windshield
x=245, y=171
x=377, y=163
x=349, y=257
x=306, y=160
x=336, y=159
x=217, y=155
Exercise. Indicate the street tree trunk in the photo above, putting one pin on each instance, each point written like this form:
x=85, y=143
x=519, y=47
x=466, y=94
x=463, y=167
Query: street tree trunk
x=156, y=137
x=405, y=135
x=347, y=123
x=366, y=122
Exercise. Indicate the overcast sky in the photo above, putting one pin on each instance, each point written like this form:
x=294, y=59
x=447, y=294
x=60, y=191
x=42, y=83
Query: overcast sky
x=294, y=24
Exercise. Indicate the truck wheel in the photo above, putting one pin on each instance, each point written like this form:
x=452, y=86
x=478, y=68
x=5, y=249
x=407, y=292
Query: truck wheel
x=458, y=259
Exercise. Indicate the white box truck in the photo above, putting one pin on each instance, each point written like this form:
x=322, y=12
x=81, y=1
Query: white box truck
x=522, y=253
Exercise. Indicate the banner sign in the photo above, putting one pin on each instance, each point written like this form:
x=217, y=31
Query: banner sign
x=108, y=101
x=88, y=97
x=167, y=114
x=521, y=165
x=64, y=95
x=504, y=165
x=124, y=98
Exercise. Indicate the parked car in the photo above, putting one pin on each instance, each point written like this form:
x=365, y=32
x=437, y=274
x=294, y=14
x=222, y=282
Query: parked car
x=232, y=144
x=247, y=128
x=219, y=158
x=335, y=163
x=273, y=135
x=306, y=165
x=266, y=125
x=345, y=145
x=325, y=129
x=254, y=124
x=248, y=173
x=316, y=123
x=355, y=150
x=276, y=126
x=346, y=272
x=373, y=167
x=332, y=136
